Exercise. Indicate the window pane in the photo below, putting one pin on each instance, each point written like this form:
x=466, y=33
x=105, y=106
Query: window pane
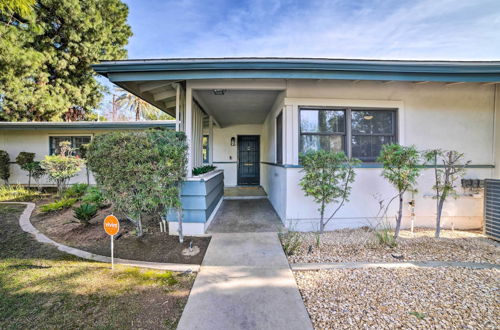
x=321, y=142
x=55, y=141
x=322, y=121
x=368, y=147
x=372, y=122
x=205, y=149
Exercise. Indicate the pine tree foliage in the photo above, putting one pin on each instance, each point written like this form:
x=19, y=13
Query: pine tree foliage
x=46, y=55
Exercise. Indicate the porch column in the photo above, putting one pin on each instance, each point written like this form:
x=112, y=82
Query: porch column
x=210, y=139
x=177, y=106
x=189, y=129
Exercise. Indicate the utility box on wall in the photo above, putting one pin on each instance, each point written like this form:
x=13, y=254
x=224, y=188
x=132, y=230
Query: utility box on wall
x=492, y=208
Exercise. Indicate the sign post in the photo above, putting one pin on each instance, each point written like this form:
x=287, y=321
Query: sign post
x=111, y=227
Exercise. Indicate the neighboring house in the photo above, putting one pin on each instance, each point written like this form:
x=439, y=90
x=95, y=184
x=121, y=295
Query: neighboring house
x=43, y=139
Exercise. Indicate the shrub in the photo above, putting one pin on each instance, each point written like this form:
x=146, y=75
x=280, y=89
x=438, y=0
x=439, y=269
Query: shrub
x=385, y=237
x=4, y=166
x=445, y=177
x=401, y=169
x=94, y=195
x=37, y=172
x=140, y=172
x=291, y=242
x=76, y=190
x=85, y=212
x=62, y=204
x=60, y=168
x=17, y=193
x=203, y=169
x=328, y=177
x=24, y=159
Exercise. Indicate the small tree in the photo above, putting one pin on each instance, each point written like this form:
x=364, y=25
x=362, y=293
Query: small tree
x=83, y=153
x=24, y=159
x=327, y=179
x=446, y=175
x=37, y=172
x=60, y=168
x=4, y=166
x=140, y=172
x=401, y=169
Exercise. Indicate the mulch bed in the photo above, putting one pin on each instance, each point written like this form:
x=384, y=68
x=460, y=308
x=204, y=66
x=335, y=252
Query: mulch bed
x=153, y=246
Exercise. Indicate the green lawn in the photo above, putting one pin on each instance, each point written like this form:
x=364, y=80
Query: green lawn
x=41, y=287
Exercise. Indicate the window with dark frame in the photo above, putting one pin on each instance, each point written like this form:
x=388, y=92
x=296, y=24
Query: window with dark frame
x=205, y=149
x=360, y=133
x=279, y=139
x=76, y=143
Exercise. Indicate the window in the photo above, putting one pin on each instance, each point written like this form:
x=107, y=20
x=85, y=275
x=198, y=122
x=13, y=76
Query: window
x=370, y=130
x=279, y=138
x=359, y=133
x=76, y=142
x=322, y=129
x=204, y=149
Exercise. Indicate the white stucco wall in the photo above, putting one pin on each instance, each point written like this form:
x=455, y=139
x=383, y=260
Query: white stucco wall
x=497, y=133
x=433, y=115
x=36, y=141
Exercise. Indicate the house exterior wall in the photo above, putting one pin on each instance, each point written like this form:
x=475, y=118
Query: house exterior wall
x=497, y=132
x=433, y=115
x=37, y=141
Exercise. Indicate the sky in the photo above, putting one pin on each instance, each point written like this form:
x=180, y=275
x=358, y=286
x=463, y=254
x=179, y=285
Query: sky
x=377, y=29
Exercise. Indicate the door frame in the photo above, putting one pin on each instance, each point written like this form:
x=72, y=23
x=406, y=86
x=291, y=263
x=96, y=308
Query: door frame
x=238, y=159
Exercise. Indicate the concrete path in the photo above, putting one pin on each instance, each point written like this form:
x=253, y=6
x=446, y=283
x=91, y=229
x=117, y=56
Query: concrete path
x=245, y=283
x=244, y=215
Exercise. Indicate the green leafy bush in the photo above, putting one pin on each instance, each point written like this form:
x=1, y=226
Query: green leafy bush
x=85, y=212
x=140, y=172
x=60, y=168
x=37, y=172
x=4, y=166
x=401, y=169
x=26, y=160
x=203, y=169
x=94, y=195
x=291, y=242
x=76, y=190
x=62, y=204
x=17, y=193
x=328, y=177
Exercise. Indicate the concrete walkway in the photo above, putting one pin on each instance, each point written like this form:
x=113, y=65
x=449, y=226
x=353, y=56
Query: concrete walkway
x=244, y=215
x=245, y=283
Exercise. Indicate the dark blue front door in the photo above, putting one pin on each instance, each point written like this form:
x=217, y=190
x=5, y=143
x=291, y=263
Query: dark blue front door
x=248, y=160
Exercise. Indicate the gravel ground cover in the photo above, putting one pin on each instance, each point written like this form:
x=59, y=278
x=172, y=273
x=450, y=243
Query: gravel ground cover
x=377, y=298
x=362, y=245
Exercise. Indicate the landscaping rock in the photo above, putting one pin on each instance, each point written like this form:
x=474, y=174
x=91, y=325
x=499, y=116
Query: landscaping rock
x=377, y=298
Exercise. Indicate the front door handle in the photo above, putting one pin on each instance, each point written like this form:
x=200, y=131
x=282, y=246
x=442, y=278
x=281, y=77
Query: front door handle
x=248, y=164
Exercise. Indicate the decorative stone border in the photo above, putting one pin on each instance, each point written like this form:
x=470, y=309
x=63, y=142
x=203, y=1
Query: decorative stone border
x=410, y=264
x=25, y=223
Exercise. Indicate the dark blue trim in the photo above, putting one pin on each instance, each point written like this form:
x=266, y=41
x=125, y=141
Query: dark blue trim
x=290, y=68
x=379, y=165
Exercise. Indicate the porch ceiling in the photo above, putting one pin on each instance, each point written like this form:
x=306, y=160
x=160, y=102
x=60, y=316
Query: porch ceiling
x=237, y=107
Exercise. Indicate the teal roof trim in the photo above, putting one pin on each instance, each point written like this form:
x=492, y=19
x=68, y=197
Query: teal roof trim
x=286, y=68
x=85, y=125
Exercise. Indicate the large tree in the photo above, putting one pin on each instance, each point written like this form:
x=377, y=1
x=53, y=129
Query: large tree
x=46, y=56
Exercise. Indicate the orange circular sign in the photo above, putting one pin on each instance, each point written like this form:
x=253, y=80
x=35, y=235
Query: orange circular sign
x=111, y=225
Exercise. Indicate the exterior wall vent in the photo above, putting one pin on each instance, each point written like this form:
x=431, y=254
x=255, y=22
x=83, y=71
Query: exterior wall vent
x=492, y=208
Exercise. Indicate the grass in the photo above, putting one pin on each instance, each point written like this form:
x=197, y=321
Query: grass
x=41, y=287
x=18, y=193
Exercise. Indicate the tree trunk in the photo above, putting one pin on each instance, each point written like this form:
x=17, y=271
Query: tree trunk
x=322, y=218
x=179, y=230
x=29, y=179
x=88, y=178
x=138, y=226
x=399, y=217
x=438, y=216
